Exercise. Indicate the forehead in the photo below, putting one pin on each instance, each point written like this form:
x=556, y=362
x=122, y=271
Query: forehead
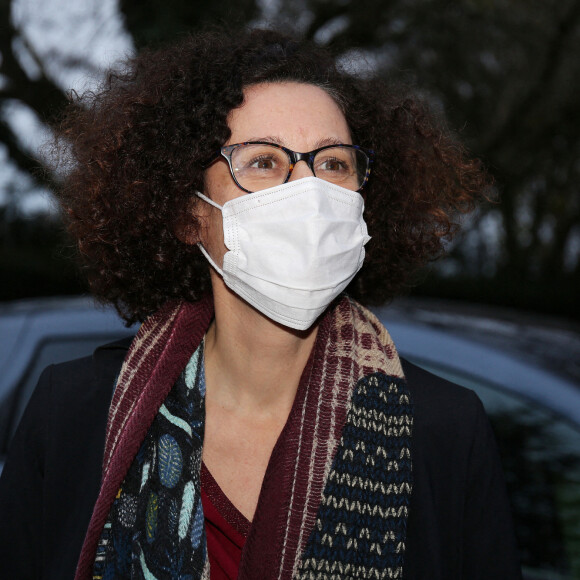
x=296, y=115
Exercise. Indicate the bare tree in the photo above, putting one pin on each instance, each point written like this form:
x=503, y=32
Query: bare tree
x=38, y=92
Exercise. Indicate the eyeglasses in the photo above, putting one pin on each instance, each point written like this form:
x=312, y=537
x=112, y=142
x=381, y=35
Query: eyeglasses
x=259, y=165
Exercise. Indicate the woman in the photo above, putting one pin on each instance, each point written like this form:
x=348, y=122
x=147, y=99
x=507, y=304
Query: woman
x=260, y=424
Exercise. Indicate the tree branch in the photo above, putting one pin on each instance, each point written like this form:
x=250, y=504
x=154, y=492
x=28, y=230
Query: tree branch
x=42, y=94
x=537, y=92
x=30, y=165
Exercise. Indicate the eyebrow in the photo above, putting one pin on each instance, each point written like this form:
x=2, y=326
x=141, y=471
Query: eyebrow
x=277, y=141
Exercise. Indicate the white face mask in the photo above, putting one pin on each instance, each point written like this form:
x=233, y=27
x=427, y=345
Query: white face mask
x=293, y=248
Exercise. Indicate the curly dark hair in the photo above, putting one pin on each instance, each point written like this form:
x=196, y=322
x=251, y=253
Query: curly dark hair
x=135, y=149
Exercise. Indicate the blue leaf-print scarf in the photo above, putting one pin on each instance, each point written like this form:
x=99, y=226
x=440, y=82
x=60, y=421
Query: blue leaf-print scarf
x=155, y=526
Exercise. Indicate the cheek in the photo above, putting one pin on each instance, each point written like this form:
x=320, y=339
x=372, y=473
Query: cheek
x=212, y=234
x=219, y=185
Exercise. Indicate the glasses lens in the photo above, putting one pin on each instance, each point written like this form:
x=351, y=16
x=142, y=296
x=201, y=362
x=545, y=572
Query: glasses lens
x=345, y=166
x=259, y=166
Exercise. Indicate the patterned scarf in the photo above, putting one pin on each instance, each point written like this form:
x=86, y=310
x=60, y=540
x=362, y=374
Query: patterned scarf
x=335, y=496
x=155, y=528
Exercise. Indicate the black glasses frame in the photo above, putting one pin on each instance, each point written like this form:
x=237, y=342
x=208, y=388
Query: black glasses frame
x=294, y=156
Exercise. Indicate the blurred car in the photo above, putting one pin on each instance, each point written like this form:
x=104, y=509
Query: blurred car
x=527, y=375
x=37, y=333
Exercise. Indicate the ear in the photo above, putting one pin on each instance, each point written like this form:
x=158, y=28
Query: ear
x=189, y=223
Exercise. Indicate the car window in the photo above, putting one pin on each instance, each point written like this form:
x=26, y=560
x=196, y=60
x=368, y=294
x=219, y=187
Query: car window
x=540, y=453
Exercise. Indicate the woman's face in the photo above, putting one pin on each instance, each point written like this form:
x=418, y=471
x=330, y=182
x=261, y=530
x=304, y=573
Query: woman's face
x=299, y=116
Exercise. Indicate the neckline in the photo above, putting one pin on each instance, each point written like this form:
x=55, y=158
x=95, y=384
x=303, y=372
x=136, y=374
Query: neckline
x=222, y=503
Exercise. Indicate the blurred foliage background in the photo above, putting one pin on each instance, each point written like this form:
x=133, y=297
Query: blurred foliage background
x=506, y=73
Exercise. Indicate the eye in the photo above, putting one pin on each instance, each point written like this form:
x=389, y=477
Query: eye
x=259, y=158
x=333, y=164
x=264, y=162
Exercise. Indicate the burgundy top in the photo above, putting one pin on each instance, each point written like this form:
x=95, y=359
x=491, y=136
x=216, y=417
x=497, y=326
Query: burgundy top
x=226, y=529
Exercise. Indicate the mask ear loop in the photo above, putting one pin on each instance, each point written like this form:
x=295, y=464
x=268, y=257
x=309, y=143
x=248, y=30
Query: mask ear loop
x=200, y=245
x=210, y=260
x=205, y=198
